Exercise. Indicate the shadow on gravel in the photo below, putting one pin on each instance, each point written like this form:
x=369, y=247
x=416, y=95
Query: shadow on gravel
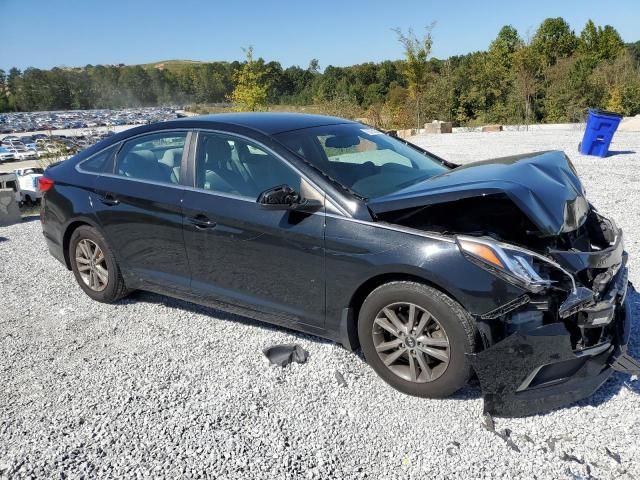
x=613, y=153
x=31, y=218
x=148, y=297
x=472, y=391
x=4, y=239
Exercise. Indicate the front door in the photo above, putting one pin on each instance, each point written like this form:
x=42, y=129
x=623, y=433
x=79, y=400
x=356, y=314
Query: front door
x=269, y=261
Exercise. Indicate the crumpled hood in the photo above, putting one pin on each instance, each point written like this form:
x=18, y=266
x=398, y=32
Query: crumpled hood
x=543, y=185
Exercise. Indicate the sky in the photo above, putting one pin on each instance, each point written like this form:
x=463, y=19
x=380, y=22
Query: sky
x=48, y=33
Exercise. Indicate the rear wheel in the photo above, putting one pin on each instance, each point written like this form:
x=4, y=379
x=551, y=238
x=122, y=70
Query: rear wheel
x=95, y=266
x=416, y=338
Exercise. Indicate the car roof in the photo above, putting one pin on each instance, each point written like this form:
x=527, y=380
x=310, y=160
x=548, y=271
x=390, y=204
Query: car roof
x=270, y=122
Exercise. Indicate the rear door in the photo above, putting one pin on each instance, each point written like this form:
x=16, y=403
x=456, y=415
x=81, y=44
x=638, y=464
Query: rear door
x=271, y=261
x=138, y=205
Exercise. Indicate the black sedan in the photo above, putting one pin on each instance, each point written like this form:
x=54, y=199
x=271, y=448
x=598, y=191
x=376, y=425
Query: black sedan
x=334, y=228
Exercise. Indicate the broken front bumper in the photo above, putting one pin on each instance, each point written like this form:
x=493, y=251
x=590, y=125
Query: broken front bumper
x=537, y=370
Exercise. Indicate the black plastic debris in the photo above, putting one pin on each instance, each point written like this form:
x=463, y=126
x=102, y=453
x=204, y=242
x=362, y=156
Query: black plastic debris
x=626, y=364
x=490, y=425
x=567, y=457
x=613, y=455
x=283, y=355
x=453, y=448
x=340, y=379
x=488, y=422
x=506, y=436
x=552, y=444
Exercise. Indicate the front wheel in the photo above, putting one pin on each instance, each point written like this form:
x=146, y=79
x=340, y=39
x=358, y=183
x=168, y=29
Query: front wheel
x=95, y=266
x=416, y=338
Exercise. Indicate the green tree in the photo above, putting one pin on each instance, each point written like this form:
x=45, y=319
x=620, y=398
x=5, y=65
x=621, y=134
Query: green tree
x=250, y=92
x=499, y=75
x=527, y=63
x=4, y=99
x=554, y=39
x=600, y=43
x=416, y=70
x=14, y=85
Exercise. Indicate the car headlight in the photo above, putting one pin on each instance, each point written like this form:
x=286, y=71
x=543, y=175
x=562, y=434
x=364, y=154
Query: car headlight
x=513, y=264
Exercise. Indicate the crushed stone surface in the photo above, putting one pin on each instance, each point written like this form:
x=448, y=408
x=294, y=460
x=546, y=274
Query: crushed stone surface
x=156, y=387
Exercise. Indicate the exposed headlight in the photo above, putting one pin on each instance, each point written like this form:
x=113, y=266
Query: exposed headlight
x=511, y=263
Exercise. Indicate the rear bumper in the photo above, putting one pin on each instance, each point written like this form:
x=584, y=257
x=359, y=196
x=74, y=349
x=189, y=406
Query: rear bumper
x=52, y=232
x=55, y=249
x=538, y=370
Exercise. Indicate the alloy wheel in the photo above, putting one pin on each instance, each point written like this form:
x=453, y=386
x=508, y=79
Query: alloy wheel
x=411, y=342
x=92, y=265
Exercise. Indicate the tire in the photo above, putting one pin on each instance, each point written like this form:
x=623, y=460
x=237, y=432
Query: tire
x=97, y=288
x=446, y=322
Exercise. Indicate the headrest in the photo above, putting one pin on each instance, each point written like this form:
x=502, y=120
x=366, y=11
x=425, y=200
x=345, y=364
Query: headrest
x=136, y=165
x=146, y=154
x=172, y=157
x=218, y=150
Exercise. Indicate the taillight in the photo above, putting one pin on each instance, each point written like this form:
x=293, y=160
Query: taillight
x=44, y=184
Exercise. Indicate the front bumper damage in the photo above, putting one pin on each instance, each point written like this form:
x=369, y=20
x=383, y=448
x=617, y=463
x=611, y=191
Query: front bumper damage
x=539, y=367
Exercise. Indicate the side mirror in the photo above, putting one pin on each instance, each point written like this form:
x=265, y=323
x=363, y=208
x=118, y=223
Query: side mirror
x=283, y=197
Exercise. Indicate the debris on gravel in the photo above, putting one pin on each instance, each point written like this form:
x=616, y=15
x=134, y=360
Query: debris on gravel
x=157, y=387
x=506, y=436
x=571, y=458
x=488, y=422
x=283, y=355
x=613, y=455
x=340, y=378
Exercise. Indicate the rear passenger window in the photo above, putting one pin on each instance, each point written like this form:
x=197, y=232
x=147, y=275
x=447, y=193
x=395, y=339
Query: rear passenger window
x=155, y=157
x=98, y=162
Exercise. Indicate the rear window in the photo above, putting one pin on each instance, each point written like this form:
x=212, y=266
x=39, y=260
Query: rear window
x=32, y=171
x=98, y=162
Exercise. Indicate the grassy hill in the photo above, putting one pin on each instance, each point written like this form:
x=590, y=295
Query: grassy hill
x=172, y=65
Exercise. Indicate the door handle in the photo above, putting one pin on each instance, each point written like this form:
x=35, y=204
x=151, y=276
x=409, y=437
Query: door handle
x=109, y=199
x=202, y=222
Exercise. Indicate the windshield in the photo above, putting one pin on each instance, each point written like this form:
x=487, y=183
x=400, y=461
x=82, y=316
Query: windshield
x=362, y=159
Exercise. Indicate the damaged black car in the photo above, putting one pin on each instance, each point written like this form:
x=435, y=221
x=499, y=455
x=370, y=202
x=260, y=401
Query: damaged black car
x=498, y=268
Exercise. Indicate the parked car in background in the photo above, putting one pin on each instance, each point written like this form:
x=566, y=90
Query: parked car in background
x=30, y=146
x=6, y=155
x=10, y=181
x=22, y=153
x=34, y=121
x=328, y=226
x=28, y=179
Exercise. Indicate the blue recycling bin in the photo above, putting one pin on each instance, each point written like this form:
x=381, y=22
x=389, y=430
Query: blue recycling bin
x=601, y=125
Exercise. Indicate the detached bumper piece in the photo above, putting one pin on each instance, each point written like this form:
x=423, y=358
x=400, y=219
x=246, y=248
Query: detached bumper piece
x=538, y=370
x=626, y=364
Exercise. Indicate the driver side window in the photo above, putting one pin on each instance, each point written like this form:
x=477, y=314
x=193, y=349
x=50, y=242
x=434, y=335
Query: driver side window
x=228, y=164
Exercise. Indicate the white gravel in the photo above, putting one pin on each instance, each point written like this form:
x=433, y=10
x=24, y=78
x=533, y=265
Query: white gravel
x=156, y=387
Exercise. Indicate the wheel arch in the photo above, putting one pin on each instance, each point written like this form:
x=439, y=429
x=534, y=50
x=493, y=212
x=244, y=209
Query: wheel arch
x=349, y=320
x=66, y=237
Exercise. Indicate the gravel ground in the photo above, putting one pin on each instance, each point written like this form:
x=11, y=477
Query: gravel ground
x=154, y=387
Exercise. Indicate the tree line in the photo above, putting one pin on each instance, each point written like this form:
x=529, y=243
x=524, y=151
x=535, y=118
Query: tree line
x=553, y=76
